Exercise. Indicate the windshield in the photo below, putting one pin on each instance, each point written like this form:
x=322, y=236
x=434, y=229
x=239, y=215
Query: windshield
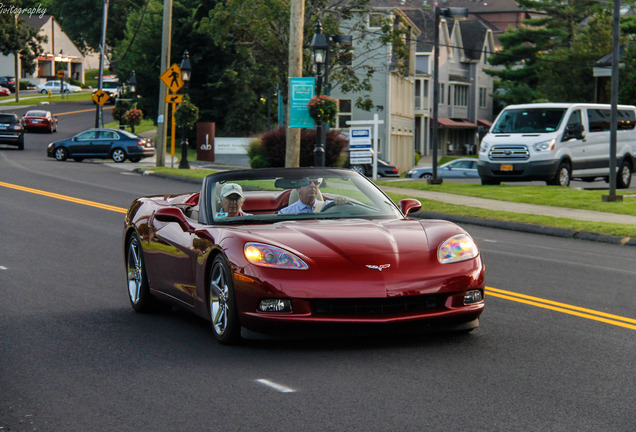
x=327, y=194
x=110, y=84
x=529, y=120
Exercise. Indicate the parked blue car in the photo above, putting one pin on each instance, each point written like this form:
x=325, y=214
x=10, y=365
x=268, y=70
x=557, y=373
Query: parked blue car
x=458, y=168
x=114, y=144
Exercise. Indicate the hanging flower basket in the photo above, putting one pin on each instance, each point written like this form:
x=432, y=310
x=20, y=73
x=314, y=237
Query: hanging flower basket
x=323, y=109
x=187, y=114
x=133, y=117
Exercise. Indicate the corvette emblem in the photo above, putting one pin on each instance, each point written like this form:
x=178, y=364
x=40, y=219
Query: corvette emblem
x=380, y=267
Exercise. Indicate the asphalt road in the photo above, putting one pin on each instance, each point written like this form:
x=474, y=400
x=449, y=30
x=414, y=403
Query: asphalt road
x=554, y=351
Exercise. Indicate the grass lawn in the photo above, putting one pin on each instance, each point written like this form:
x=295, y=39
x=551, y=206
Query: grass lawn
x=30, y=99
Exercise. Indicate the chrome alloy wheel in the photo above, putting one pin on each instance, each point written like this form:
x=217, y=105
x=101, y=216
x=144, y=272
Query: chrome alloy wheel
x=118, y=155
x=134, y=271
x=219, y=299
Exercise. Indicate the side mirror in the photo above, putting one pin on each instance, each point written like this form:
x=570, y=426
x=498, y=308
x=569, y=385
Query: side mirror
x=172, y=214
x=409, y=205
x=574, y=131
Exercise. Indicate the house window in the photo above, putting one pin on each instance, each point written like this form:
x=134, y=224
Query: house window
x=344, y=114
x=483, y=97
x=460, y=97
x=441, y=93
x=375, y=20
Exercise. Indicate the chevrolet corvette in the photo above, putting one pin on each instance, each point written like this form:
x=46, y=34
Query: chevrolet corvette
x=350, y=257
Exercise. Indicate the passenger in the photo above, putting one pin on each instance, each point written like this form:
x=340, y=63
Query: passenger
x=307, y=199
x=232, y=200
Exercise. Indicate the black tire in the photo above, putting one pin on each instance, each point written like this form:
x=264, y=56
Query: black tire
x=138, y=286
x=222, y=305
x=562, y=176
x=426, y=176
x=44, y=92
x=118, y=155
x=624, y=175
x=490, y=181
x=61, y=154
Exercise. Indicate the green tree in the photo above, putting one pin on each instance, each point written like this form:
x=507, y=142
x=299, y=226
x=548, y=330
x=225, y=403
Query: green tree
x=566, y=72
x=18, y=37
x=82, y=19
x=548, y=49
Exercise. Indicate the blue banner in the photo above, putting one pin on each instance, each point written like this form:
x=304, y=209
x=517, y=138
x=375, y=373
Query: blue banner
x=301, y=91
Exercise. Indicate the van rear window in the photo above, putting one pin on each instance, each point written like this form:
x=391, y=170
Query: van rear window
x=532, y=120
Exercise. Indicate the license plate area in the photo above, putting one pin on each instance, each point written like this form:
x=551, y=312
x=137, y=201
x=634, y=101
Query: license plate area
x=506, y=167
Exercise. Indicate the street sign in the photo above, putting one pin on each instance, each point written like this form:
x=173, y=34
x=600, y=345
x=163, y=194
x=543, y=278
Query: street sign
x=360, y=138
x=360, y=161
x=361, y=153
x=100, y=97
x=60, y=74
x=172, y=78
x=174, y=98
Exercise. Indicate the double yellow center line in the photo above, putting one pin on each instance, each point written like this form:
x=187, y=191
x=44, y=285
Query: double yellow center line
x=490, y=291
x=65, y=198
x=563, y=308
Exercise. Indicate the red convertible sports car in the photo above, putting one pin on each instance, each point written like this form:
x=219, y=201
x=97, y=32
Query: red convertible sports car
x=39, y=120
x=300, y=249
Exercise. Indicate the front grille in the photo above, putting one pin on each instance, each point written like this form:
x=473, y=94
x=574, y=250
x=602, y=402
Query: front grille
x=509, y=152
x=382, y=306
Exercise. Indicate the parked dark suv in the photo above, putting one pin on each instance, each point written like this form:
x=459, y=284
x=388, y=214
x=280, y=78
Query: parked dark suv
x=11, y=130
x=8, y=82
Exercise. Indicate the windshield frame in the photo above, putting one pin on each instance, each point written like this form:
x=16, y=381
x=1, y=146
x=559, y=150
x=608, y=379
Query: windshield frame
x=369, y=201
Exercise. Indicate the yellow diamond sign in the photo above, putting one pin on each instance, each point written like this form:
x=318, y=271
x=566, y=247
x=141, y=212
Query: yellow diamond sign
x=100, y=97
x=172, y=78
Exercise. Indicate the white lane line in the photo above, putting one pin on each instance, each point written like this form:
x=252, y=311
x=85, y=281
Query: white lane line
x=275, y=386
x=3, y=268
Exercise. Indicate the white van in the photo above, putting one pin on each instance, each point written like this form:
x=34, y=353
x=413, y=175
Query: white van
x=556, y=142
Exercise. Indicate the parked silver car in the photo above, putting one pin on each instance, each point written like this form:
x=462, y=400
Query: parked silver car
x=55, y=86
x=458, y=168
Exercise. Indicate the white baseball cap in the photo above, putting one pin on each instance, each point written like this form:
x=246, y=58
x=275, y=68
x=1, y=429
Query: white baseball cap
x=231, y=188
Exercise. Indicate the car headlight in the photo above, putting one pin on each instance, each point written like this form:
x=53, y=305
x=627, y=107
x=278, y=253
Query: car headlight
x=484, y=147
x=544, y=145
x=457, y=248
x=271, y=256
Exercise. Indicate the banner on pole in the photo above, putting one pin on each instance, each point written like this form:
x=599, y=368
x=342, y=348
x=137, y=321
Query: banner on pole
x=301, y=91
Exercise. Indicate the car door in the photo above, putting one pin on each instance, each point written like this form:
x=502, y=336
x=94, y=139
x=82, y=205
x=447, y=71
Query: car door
x=81, y=144
x=104, y=143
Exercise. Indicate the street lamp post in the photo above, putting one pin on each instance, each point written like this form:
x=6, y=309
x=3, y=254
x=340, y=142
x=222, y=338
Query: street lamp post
x=452, y=12
x=132, y=87
x=320, y=50
x=186, y=70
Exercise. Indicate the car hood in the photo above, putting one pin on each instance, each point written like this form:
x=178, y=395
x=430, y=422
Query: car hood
x=354, y=237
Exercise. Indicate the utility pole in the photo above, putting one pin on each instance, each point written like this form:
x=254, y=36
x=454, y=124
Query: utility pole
x=162, y=120
x=16, y=65
x=296, y=27
x=99, y=119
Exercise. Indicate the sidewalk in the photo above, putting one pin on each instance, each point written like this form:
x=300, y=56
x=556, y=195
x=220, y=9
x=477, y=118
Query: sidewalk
x=490, y=204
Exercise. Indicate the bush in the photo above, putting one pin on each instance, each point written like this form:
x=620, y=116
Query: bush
x=273, y=147
x=121, y=107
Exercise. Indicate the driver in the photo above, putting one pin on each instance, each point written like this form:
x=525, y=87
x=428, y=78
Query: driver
x=307, y=202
